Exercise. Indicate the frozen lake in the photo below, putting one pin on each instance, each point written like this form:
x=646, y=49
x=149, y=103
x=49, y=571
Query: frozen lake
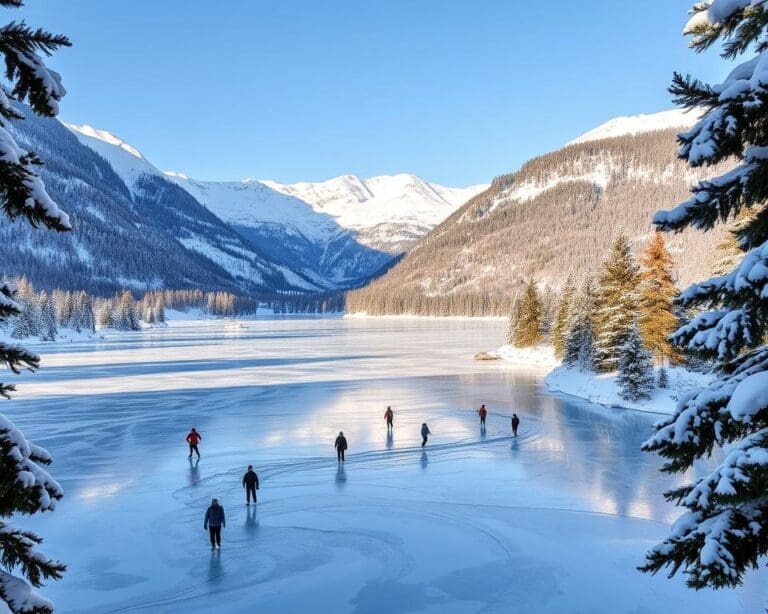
x=553, y=521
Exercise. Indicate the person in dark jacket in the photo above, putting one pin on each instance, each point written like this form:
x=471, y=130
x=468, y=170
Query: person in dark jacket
x=214, y=521
x=341, y=446
x=424, y=432
x=251, y=485
x=482, y=412
x=194, y=438
x=390, y=416
x=515, y=424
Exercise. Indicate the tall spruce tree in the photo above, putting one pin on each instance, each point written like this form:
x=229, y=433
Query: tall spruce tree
x=562, y=317
x=527, y=331
x=617, y=302
x=724, y=531
x=579, y=350
x=26, y=487
x=657, y=319
x=512, y=321
x=635, y=377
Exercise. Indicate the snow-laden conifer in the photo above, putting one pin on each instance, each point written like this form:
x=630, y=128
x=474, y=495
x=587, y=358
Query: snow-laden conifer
x=724, y=530
x=26, y=487
x=635, y=377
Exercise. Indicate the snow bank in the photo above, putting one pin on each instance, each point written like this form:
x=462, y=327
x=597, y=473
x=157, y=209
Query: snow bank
x=540, y=357
x=601, y=388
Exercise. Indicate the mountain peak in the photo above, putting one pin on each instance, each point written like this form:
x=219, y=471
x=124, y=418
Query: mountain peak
x=106, y=137
x=636, y=124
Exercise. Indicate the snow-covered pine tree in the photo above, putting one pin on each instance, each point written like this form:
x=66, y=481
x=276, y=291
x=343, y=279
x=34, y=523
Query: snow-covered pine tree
x=657, y=292
x=106, y=315
x=127, y=318
x=527, y=331
x=724, y=530
x=635, y=377
x=579, y=350
x=47, y=317
x=617, y=302
x=159, y=308
x=663, y=381
x=562, y=317
x=25, y=485
x=28, y=323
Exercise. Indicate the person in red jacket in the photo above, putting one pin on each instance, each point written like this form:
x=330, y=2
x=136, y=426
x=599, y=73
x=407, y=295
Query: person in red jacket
x=390, y=416
x=193, y=439
x=483, y=413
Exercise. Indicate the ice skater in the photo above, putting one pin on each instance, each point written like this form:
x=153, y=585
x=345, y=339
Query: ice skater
x=515, y=424
x=482, y=412
x=194, y=438
x=390, y=416
x=424, y=433
x=341, y=446
x=214, y=521
x=251, y=485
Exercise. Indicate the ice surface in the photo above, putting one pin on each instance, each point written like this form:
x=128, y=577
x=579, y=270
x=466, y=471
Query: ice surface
x=553, y=521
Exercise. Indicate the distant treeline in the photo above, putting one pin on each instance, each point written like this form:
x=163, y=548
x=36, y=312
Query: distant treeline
x=46, y=313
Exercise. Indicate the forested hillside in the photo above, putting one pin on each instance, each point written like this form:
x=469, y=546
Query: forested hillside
x=154, y=236
x=557, y=215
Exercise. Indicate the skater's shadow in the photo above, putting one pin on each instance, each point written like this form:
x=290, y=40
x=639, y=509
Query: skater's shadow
x=215, y=571
x=424, y=460
x=194, y=472
x=514, y=447
x=482, y=432
x=390, y=440
x=251, y=521
x=341, y=477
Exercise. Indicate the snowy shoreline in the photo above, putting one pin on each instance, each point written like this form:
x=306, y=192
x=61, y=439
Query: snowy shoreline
x=601, y=388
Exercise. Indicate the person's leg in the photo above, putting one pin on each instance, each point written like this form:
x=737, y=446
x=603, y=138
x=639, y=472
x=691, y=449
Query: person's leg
x=218, y=536
x=342, y=455
x=197, y=451
x=423, y=441
x=338, y=454
x=190, y=450
x=212, y=533
x=251, y=490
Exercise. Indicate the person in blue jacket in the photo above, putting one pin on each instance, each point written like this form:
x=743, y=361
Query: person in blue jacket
x=214, y=521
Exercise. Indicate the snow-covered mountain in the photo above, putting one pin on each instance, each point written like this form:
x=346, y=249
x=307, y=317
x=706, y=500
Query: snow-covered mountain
x=557, y=213
x=336, y=233
x=341, y=231
x=151, y=235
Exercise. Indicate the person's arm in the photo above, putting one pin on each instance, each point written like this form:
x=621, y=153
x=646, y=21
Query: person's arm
x=223, y=518
x=244, y=480
x=205, y=522
x=257, y=481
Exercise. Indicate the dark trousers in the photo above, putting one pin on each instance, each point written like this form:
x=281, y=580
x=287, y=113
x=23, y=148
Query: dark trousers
x=424, y=441
x=514, y=429
x=215, y=535
x=389, y=424
x=340, y=454
x=193, y=448
x=482, y=420
x=250, y=491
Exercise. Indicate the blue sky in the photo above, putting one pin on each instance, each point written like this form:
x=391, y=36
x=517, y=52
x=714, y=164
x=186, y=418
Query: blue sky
x=456, y=92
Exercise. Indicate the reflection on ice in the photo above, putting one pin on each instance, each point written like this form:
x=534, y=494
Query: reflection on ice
x=554, y=520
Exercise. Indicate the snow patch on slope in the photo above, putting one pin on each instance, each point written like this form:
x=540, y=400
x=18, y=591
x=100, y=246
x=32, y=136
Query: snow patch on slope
x=125, y=159
x=636, y=124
